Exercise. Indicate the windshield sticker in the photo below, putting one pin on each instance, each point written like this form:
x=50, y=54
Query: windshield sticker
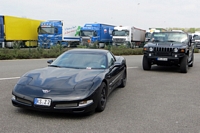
x=88, y=68
x=103, y=66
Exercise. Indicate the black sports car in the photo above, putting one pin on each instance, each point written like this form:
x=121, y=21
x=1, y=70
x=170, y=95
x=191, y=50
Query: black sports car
x=78, y=81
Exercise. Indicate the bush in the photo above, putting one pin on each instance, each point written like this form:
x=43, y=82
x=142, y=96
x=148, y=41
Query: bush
x=55, y=51
x=196, y=50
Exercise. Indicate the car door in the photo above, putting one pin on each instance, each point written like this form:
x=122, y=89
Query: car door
x=190, y=47
x=113, y=74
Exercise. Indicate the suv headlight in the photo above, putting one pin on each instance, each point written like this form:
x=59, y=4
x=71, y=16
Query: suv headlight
x=150, y=49
x=176, y=50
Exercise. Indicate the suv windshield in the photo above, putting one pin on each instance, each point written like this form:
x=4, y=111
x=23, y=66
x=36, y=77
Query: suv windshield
x=120, y=33
x=46, y=30
x=169, y=37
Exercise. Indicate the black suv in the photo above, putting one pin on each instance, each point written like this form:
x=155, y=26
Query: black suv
x=168, y=49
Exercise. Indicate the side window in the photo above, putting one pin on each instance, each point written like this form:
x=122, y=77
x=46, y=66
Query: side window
x=110, y=59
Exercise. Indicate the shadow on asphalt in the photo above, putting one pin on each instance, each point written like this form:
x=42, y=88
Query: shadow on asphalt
x=172, y=69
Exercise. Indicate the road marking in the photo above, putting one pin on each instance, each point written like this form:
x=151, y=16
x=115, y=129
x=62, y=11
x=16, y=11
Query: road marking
x=132, y=67
x=9, y=78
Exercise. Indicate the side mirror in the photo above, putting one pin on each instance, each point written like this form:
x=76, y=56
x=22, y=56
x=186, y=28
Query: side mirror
x=116, y=64
x=49, y=61
x=56, y=30
x=192, y=40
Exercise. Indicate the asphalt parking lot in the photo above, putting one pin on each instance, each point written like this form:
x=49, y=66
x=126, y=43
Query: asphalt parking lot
x=158, y=101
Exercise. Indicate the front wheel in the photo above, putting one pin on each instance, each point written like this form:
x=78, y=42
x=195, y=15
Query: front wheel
x=102, y=99
x=146, y=64
x=184, y=65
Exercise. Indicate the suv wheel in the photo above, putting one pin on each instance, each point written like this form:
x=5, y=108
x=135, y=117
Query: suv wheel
x=184, y=65
x=146, y=64
x=191, y=62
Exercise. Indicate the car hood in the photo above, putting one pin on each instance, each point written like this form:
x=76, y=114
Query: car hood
x=60, y=78
x=165, y=44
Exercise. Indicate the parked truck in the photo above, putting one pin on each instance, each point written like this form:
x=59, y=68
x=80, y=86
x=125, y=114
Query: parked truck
x=96, y=33
x=16, y=30
x=128, y=36
x=151, y=30
x=54, y=32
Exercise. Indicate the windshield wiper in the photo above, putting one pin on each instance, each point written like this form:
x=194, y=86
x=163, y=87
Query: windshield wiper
x=170, y=41
x=156, y=41
x=53, y=66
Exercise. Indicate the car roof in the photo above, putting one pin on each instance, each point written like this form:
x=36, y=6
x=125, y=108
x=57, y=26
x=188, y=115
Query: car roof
x=100, y=51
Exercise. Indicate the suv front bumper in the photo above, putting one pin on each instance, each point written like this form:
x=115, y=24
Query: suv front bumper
x=173, y=59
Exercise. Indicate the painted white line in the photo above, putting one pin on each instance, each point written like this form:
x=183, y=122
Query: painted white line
x=9, y=78
x=132, y=67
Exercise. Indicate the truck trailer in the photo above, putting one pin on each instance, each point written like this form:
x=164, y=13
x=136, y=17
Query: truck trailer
x=128, y=36
x=55, y=32
x=18, y=30
x=98, y=33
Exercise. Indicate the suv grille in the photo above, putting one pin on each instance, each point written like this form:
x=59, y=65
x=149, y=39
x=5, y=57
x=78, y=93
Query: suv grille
x=163, y=51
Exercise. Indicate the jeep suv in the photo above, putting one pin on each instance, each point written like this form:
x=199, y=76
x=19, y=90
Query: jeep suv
x=168, y=49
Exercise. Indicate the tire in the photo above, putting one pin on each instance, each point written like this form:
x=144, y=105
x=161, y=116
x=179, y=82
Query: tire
x=123, y=80
x=192, y=61
x=146, y=64
x=184, y=65
x=102, y=98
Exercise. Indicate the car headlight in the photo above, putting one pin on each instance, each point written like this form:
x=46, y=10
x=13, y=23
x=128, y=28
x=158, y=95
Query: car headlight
x=176, y=50
x=150, y=49
x=85, y=102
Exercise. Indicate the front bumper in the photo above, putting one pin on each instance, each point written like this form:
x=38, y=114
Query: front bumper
x=167, y=60
x=56, y=106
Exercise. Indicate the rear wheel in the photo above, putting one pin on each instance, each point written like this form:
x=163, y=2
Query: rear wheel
x=123, y=80
x=184, y=65
x=146, y=64
x=102, y=99
x=191, y=62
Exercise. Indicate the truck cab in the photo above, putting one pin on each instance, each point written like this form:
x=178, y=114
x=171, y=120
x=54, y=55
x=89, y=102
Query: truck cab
x=50, y=33
x=96, y=34
x=1, y=32
x=122, y=36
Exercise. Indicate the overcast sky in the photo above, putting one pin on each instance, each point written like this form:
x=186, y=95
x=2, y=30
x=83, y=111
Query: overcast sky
x=139, y=13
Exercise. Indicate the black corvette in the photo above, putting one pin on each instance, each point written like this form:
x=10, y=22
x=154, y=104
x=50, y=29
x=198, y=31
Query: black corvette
x=78, y=81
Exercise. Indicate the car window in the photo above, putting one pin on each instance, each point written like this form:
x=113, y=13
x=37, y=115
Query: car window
x=111, y=59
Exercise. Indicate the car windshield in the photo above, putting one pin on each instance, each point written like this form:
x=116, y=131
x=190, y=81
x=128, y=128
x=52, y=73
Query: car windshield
x=169, y=37
x=87, y=33
x=120, y=33
x=81, y=61
x=46, y=30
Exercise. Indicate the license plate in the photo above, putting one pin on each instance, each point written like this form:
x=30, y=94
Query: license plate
x=43, y=102
x=162, y=59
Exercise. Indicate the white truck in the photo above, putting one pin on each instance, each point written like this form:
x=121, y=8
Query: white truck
x=129, y=36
